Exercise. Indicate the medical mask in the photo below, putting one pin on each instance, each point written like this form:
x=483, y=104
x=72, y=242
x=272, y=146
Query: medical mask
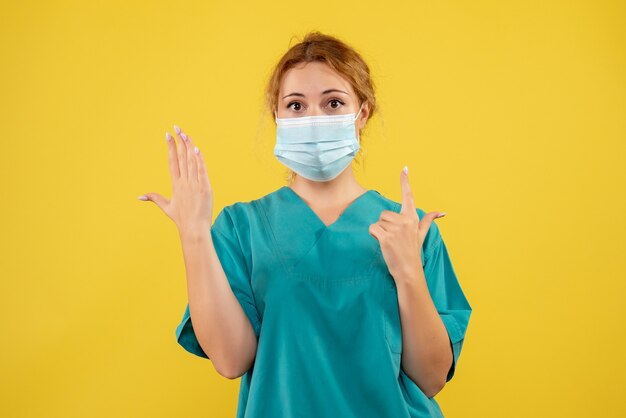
x=318, y=148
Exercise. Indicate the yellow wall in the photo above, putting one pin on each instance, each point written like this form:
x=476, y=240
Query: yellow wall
x=510, y=115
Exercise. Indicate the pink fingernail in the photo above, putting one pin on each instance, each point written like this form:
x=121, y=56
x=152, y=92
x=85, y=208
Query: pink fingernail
x=183, y=136
x=441, y=215
x=168, y=137
x=177, y=129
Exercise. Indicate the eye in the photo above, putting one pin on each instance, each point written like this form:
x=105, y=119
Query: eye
x=299, y=106
x=335, y=101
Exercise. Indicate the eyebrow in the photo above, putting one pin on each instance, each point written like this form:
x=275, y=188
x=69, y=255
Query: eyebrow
x=324, y=92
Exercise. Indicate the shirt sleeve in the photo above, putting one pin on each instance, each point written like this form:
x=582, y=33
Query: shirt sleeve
x=446, y=292
x=233, y=260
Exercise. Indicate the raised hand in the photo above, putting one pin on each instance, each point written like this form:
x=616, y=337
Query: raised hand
x=191, y=206
x=402, y=234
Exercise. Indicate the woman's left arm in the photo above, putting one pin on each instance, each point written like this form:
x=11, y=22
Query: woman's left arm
x=434, y=312
x=426, y=350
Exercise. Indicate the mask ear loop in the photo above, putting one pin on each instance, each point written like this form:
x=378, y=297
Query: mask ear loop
x=355, y=118
x=357, y=115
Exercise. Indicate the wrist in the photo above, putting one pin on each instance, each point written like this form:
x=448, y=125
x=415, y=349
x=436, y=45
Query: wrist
x=195, y=233
x=409, y=276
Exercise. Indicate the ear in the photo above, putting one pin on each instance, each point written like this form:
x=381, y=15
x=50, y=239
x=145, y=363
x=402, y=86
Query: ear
x=365, y=114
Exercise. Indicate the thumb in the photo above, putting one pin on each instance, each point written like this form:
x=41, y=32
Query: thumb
x=427, y=220
x=159, y=200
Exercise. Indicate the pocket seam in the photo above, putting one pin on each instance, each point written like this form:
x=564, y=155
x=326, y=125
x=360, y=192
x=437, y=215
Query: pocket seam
x=389, y=292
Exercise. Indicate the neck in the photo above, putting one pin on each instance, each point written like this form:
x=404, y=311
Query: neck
x=341, y=187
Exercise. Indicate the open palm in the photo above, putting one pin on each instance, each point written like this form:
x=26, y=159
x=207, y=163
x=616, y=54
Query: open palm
x=191, y=205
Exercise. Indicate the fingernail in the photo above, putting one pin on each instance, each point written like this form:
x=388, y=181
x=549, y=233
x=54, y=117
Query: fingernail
x=142, y=197
x=441, y=215
x=168, y=137
x=177, y=129
x=196, y=150
x=406, y=170
x=183, y=136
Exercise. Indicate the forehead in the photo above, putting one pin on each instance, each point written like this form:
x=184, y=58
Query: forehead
x=311, y=78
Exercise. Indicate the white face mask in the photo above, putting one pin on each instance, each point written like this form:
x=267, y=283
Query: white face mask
x=318, y=148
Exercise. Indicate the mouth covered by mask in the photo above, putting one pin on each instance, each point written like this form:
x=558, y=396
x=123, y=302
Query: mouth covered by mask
x=318, y=148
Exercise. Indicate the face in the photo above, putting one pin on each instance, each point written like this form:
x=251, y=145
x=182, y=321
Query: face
x=314, y=89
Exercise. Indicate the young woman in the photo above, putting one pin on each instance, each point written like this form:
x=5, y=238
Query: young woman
x=329, y=299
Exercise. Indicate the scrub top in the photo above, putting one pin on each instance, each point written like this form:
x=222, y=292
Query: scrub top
x=324, y=308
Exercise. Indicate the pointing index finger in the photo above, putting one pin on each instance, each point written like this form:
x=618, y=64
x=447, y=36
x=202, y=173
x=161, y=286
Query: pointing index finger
x=408, y=204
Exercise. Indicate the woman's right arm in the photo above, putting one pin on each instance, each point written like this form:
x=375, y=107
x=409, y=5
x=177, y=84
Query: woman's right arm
x=219, y=322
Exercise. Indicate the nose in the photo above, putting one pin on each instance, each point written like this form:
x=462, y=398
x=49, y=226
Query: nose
x=315, y=111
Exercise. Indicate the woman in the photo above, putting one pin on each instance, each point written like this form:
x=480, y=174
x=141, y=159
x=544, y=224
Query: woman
x=329, y=299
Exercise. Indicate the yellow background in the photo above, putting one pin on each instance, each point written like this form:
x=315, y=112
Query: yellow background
x=511, y=116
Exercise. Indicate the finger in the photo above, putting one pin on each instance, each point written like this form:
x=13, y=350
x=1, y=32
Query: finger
x=203, y=177
x=376, y=231
x=159, y=200
x=388, y=226
x=408, y=204
x=188, y=154
x=192, y=161
x=389, y=215
x=425, y=223
x=182, y=153
x=172, y=156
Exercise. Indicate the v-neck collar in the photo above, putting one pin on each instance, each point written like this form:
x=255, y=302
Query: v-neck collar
x=314, y=217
